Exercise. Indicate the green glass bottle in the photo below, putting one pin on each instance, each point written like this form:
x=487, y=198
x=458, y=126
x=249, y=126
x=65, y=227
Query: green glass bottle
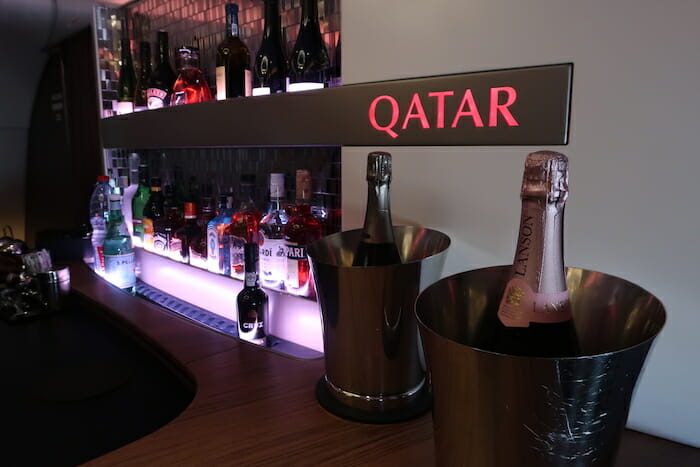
x=118, y=250
x=138, y=203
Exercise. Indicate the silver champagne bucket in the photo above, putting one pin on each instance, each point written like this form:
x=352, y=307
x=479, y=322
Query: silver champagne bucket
x=497, y=410
x=375, y=371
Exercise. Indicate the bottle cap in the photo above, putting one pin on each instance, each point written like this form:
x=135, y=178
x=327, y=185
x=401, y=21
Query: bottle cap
x=546, y=175
x=103, y=178
x=379, y=167
x=190, y=210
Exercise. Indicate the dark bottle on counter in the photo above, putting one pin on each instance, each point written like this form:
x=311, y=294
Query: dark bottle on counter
x=126, y=86
x=377, y=246
x=534, y=316
x=152, y=212
x=308, y=67
x=301, y=230
x=244, y=225
x=270, y=63
x=190, y=87
x=163, y=77
x=141, y=94
x=233, y=76
x=252, y=303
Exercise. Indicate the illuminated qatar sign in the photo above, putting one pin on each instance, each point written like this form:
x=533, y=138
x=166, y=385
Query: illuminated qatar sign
x=520, y=106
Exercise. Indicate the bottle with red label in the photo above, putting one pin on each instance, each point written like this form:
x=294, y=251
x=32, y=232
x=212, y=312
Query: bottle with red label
x=244, y=225
x=301, y=230
x=534, y=316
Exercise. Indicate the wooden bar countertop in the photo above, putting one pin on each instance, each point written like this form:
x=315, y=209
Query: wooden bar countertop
x=256, y=407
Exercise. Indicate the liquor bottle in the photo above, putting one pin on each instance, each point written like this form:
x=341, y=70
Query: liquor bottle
x=309, y=59
x=252, y=304
x=118, y=250
x=138, y=204
x=233, y=77
x=270, y=63
x=188, y=233
x=244, y=225
x=163, y=77
x=164, y=240
x=273, y=251
x=190, y=87
x=377, y=246
x=534, y=316
x=99, y=214
x=198, y=242
x=152, y=212
x=126, y=85
x=141, y=93
x=217, y=242
x=301, y=230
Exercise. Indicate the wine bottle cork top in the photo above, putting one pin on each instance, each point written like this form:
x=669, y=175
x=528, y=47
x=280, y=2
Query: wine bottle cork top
x=379, y=167
x=546, y=175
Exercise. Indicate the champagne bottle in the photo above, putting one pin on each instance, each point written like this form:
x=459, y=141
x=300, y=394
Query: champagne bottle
x=126, y=86
x=163, y=77
x=270, y=64
x=377, y=246
x=140, y=96
x=252, y=303
x=233, y=76
x=534, y=316
x=309, y=59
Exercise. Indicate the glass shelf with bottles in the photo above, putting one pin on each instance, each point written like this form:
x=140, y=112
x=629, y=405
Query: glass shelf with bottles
x=198, y=207
x=150, y=56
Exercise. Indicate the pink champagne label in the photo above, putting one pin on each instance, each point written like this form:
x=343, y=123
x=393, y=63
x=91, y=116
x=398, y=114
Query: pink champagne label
x=521, y=306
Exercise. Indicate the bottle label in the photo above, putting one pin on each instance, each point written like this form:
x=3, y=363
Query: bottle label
x=148, y=234
x=237, y=256
x=273, y=261
x=521, y=306
x=247, y=83
x=124, y=107
x=261, y=91
x=161, y=243
x=251, y=324
x=156, y=98
x=213, y=249
x=119, y=270
x=297, y=266
x=175, y=249
x=220, y=83
x=197, y=259
x=99, y=259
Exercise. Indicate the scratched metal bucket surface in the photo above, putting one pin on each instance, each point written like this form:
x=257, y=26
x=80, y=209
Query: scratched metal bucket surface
x=496, y=410
x=374, y=367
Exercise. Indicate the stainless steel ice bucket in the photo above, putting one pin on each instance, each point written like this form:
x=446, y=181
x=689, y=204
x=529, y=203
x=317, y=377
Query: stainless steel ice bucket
x=374, y=366
x=494, y=410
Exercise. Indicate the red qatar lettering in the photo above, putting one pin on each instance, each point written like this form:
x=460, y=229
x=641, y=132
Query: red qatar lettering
x=497, y=108
x=473, y=111
x=394, y=115
x=415, y=110
x=441, y=106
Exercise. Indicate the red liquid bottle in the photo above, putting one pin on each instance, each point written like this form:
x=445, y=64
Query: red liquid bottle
x=244, y=226
x=301, y=230
x=191, y=86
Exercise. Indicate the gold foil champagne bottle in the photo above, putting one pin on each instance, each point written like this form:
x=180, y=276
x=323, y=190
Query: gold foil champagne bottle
x=534, y=316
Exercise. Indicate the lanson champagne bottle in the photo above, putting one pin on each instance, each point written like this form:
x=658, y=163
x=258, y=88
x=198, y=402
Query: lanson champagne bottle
x=534, y=316
x=163, y=77
x=377, y=246
x=251, y=301
x=233, y=76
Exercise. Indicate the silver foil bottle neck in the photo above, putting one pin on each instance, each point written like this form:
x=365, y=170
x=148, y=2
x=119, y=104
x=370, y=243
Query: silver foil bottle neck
x=379, y=167
x=546, y=175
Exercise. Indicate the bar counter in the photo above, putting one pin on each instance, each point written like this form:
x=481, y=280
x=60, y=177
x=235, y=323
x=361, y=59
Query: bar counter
x=253, y=406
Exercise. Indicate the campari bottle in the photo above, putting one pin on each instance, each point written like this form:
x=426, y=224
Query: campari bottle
x=301, y=230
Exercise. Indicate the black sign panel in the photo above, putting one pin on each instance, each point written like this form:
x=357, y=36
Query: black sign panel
x=522, y=106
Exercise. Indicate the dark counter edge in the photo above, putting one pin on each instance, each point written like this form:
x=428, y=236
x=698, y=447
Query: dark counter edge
x=188, y=347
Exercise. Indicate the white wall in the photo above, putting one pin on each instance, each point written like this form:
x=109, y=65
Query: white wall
x=633, y=152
